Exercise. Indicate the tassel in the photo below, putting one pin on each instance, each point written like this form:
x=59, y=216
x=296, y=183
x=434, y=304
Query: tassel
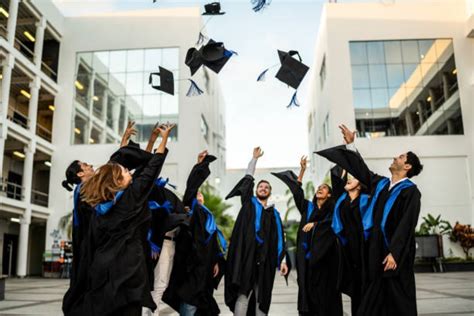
x=261, y=77
x=194, y=90
x=201, y=39
x=230, y=53
x=294, y=101
x=260, y=4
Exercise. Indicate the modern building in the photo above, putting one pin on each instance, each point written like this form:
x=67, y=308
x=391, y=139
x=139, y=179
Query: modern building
x=401, y=73
x=69, y=85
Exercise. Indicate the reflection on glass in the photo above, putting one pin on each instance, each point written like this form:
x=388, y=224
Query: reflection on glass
x=405, y=87
x=114, y=84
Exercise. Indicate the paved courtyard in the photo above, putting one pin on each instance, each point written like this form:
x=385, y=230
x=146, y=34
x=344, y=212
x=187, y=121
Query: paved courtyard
x=438, y=295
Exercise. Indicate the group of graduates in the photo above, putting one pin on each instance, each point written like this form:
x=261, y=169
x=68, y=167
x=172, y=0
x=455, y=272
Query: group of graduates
x=136, y=243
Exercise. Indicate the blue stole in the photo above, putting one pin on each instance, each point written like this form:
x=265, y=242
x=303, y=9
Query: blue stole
x=309, y=212
x=368, y=221
x=161, y=183
x=258, y=220
x=167, y=206
x=77, y=196
x=104, y=207
x=211, y=227
x=336, y=224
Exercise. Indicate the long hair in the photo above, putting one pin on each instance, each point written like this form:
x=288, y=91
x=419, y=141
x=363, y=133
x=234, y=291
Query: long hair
x=103, y=185
x=71, y=175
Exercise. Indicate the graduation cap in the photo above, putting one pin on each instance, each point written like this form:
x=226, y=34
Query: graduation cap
x=213, y=8
x=350, y=161
x=131, y=156
x=291, y=71
x=213, y=55
x=166, y=81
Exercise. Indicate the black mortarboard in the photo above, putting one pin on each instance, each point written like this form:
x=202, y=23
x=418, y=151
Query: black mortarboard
x=193, y=60
x=292, y=71
x=131, y=156
x=215, y=55
x=213, y=8
x=349, y=160
x=166, y=81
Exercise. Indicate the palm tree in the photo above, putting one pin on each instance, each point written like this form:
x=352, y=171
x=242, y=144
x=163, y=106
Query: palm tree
x=65, y=224
x=290, y=202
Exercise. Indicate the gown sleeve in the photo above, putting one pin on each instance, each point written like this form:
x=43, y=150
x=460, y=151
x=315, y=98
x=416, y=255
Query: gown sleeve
x=337, y=182
x=196, y=178
x=244, y=189
x=291, y=180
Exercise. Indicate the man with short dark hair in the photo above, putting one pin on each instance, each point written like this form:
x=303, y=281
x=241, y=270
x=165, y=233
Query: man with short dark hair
x=257, y=247
x=389, y=227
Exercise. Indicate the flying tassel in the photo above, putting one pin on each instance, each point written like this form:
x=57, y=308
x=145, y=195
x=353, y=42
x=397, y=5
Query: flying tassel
x=193, y=90
x=229, y=53
x=261, y=77
x=201, y=39
x=294, y=101
x=260, y=4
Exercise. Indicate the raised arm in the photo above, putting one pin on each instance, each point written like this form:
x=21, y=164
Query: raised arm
x=338, y=181
x=197, y=176
x=142, y=185
x=244, y=188
x=129, y=132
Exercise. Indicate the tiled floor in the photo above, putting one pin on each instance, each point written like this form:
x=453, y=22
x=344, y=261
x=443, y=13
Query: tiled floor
x=438, y=295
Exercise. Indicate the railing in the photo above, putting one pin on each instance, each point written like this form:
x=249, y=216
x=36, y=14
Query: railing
x=39, y=198
x=48, y=71
x=43, y=132
x=453, y=88
x=11, y=190
x=3, y=31
x=18, y=117
x=24, y=49
x=97, y=112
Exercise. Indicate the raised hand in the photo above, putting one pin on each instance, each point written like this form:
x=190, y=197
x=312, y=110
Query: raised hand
x=165, y=129
x=129, y=132
x=304, y=162
x=154, y=135
x=257, y=152
x=347, y=134
x=202, y=155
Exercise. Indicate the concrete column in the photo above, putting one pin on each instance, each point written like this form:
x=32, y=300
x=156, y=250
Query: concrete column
x=12, y=16
x=33, y=104
x=420, y=112
x=90, y=104
x=39, y=42
x=7, y=67
x=25, y=220
x=450, y=125
x=445, y=86
x=409, y=123
x=116, y=115
x=103, y=135
x=432, y=100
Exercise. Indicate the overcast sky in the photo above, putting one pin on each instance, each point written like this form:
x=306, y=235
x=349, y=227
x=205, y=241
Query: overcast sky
x=256, y=112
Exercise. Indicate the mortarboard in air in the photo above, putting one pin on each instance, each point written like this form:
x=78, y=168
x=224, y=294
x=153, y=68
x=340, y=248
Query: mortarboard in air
x=291, y=71
x=213, y=8
x=213, y=55
x=166, y=81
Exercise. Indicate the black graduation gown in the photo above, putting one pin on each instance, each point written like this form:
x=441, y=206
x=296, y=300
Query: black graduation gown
x=192, y=280
x=307, y=275
x=115, y=251
x=80, y=230
x=250, y=263
x=390, y=292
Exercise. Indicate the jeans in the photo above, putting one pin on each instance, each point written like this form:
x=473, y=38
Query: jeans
x=187, y=310
x=242, y=304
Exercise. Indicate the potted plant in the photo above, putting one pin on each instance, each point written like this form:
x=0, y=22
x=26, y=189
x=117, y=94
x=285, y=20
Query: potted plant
x=429, y=242
x=464, y=235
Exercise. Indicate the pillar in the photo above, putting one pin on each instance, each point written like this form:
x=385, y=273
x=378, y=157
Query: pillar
x=39, y=42
x=12, y=17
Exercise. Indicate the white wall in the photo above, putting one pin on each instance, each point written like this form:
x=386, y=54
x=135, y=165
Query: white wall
x=446, y=182
x=128, y=30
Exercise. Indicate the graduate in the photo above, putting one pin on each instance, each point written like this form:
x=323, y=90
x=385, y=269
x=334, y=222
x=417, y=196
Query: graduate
x=389, y=226
x=117, y=281
x=257, y=248
x=317, y=258
x=199, y=263
x=76, y=174
x=347, y=225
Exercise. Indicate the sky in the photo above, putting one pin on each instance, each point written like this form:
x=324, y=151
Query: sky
x=256, y=112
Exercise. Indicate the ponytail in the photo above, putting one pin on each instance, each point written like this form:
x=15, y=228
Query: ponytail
x=71, y=175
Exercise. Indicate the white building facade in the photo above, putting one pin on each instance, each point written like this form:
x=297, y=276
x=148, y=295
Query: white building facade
x=402, y=74
x=69, y=85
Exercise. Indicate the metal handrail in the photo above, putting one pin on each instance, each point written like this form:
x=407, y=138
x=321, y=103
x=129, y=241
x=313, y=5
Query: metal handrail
x=19, y=42
x=3, y=31
x=43, y=132
x=50, y=72
x=13, y=119
x=39, y=198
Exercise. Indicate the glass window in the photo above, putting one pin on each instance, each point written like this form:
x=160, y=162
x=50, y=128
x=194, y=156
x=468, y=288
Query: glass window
x=400, y=87
x=114, y=84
